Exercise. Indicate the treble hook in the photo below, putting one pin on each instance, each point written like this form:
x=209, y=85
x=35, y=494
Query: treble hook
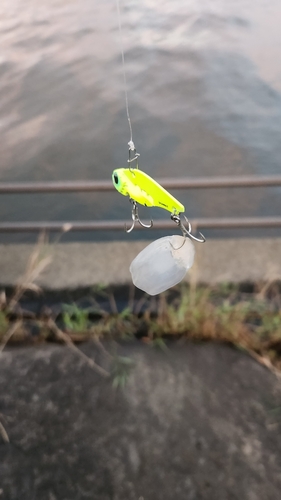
x=185, y=231
x=135, y=217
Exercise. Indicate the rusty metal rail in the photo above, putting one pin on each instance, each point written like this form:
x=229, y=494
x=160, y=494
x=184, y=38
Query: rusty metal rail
x=102, y=186
x=211, y=223
x=99, y=185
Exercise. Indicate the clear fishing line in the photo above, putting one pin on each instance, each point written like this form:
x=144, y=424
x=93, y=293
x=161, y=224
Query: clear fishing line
x=130, y=143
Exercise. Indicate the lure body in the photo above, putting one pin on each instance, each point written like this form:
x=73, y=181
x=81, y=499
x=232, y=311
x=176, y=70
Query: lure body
x=141, y=188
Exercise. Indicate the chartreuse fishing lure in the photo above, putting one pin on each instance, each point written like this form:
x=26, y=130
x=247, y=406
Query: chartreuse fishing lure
x=141, y=188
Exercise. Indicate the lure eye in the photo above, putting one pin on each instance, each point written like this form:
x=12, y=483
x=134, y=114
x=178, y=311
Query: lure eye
x=116, y=179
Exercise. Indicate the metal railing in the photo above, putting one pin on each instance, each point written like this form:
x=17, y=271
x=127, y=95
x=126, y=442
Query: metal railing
x=102, y=186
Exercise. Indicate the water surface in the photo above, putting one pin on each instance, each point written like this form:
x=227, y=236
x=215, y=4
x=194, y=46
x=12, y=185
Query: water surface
x=204, y=85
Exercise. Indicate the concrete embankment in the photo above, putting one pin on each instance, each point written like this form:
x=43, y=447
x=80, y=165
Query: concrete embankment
x=77, y=265
x=196, y=421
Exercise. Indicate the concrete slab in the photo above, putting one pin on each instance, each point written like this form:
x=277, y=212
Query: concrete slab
x=77, y=265
x=73, y=265
x=195, y=422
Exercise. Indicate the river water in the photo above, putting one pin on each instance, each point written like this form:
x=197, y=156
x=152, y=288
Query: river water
x=204, y=84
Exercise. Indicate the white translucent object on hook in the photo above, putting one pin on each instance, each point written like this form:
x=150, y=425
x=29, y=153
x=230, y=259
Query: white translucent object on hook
x=162, y=264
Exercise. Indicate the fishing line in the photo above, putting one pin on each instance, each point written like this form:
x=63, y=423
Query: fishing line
x=130, y=143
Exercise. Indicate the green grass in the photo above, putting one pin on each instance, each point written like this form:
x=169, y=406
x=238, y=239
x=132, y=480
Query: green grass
x=249, y=321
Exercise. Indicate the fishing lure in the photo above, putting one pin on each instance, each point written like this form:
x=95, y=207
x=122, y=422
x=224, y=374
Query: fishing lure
x=141, y=188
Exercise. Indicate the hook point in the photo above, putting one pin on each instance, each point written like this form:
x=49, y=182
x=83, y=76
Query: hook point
x=187, y=232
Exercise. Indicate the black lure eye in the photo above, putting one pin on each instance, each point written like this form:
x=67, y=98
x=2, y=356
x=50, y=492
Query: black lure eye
x=116, y=179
